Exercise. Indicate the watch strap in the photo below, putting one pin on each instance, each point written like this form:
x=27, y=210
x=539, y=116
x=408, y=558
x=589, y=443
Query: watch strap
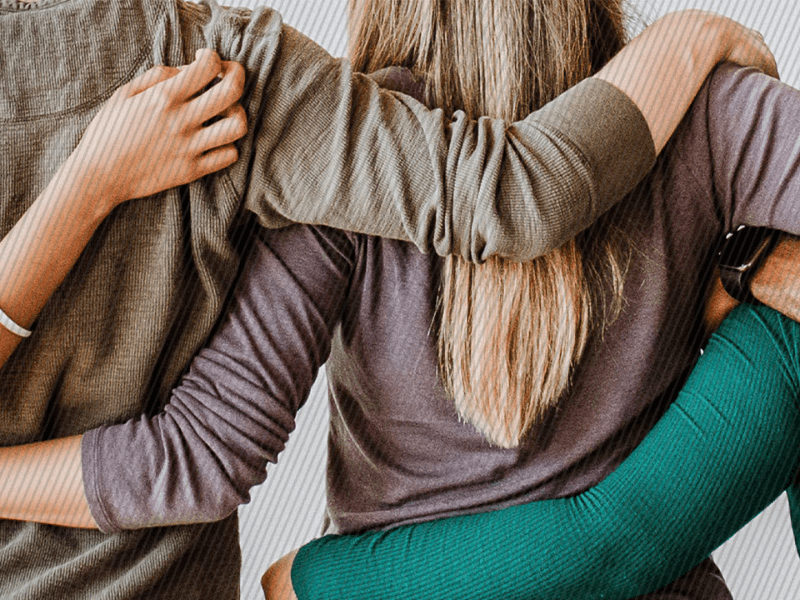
x=742, y=254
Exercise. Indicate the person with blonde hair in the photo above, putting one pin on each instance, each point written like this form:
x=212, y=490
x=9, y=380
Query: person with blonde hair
x=325, y=145
x=400, y=451
x=616, y=315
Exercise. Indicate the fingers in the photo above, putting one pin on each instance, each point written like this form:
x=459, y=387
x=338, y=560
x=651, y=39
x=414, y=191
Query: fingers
x=230, y=127
x=191, y=131
x=768, y=63
x=216, y=159
x=187, y=81
x=748, y=48
x=148, y=79
x=194, y=77
x=187, y=86
x=214, y=143
x=770, y=67
x=223, y=94
x=762, y=57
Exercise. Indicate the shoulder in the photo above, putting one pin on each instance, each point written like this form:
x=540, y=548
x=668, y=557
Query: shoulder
x=250, y=37
x=230, y=22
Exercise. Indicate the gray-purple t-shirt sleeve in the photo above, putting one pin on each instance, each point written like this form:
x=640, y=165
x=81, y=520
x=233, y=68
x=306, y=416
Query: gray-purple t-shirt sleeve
x=751, y=123
x=232, y=414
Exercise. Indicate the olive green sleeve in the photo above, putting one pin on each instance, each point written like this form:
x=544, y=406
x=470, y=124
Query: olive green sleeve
x=331, y=147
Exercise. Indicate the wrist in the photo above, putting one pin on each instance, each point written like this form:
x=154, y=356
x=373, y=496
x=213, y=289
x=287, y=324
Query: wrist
x=705, y=38
x=89, y=189
x=741, y=257
x=775, y=282
x=717, y=34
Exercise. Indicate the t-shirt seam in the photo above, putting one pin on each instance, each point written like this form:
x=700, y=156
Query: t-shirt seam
x=109, y=526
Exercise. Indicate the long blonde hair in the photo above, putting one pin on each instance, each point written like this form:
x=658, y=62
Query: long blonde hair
x=509, y=332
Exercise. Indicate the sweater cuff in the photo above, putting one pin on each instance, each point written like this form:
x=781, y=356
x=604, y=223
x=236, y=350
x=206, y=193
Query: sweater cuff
x=90, y=442
x=619, y=147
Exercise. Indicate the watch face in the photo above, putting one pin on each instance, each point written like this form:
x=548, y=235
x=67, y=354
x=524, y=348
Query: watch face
x=745, y=247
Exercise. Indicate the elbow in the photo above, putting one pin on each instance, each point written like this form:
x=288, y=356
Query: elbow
x=213, y=500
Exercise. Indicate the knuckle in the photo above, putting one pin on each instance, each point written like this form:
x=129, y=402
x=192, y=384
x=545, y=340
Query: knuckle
x=210, y=55
x=159, y=72
x=228, y=92
x=229, y=155
x=210, y=61
x=163, y=97
x=234, y=78
x=240, y=128
x=238, y=75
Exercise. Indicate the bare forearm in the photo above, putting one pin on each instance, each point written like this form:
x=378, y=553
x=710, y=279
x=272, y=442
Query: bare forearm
x=777, y=282
x=43, y=246
x=42, y=482
x=663, y=68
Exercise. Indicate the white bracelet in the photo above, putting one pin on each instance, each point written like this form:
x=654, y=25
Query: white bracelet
x=6, y=322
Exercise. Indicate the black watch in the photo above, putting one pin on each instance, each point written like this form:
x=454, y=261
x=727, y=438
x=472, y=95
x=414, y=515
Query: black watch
x=742, y=253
